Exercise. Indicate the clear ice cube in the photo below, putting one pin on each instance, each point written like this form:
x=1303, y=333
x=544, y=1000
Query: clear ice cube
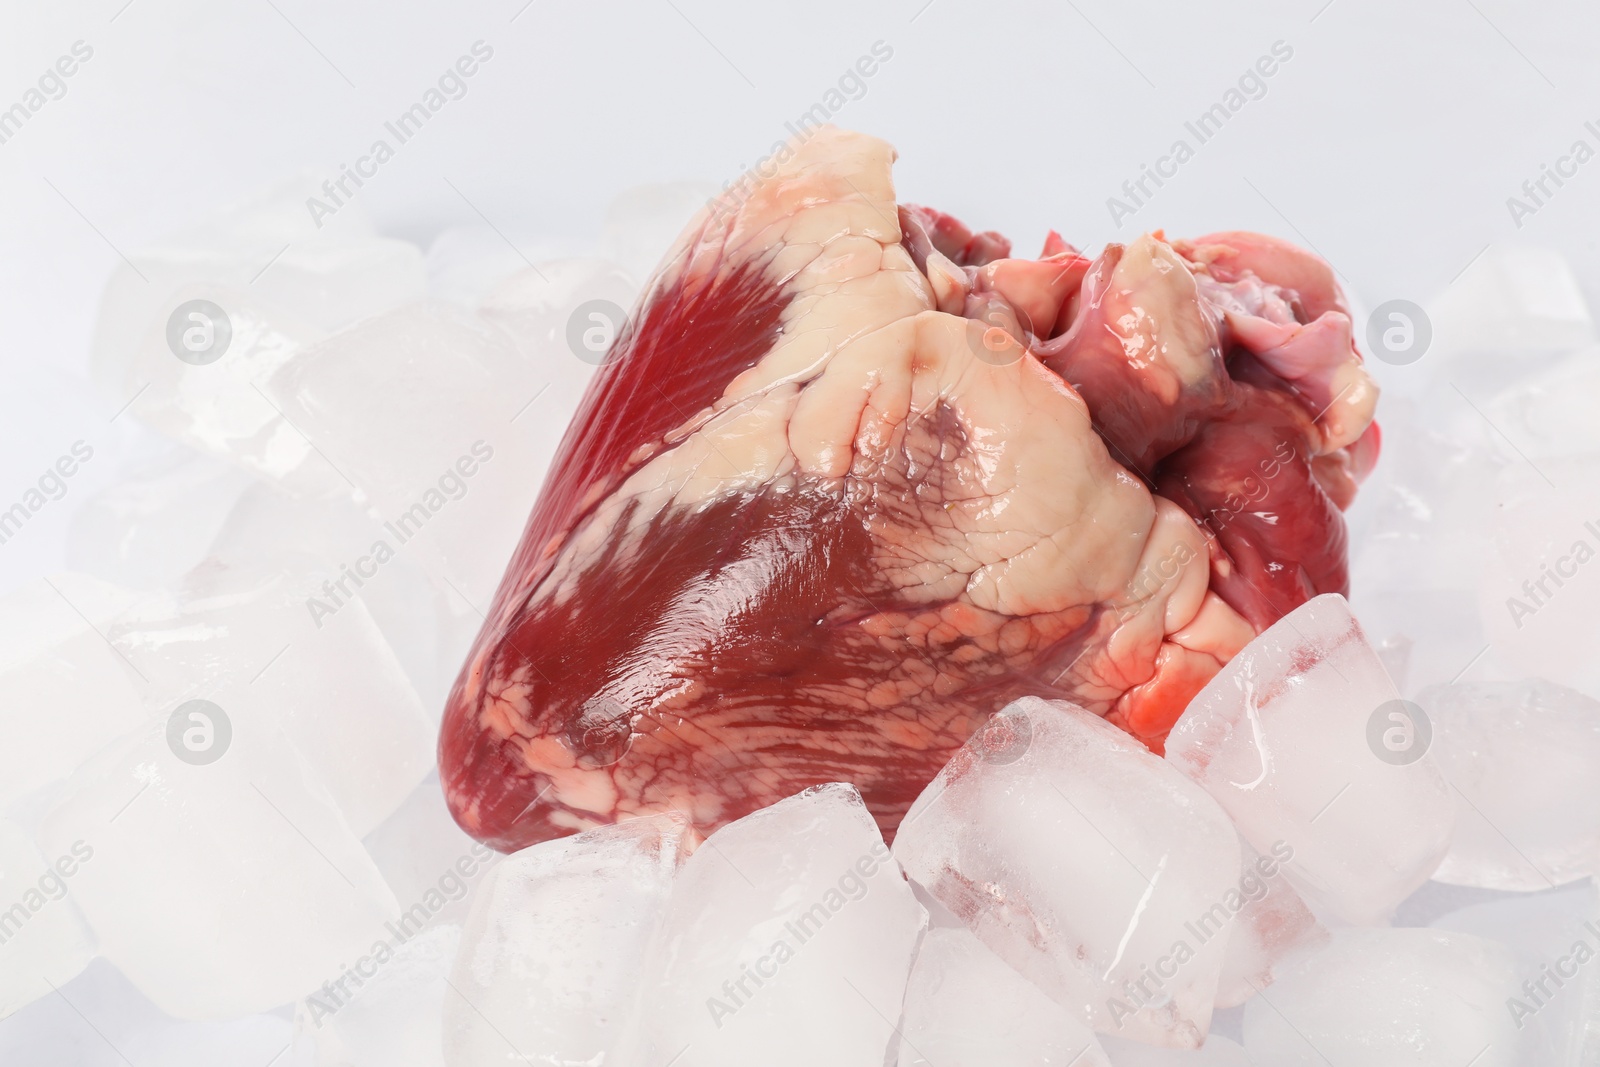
x=1523, y=758
x=65, y=692
x=328, y=276
x=1306, y=743
x=1085, y=862
x=1381, y=997
x=43, y=940
x=787, y=939
x=272, y=645
x=965, y=1007
x=219, y=888
x=551, y=952
x=435, y=415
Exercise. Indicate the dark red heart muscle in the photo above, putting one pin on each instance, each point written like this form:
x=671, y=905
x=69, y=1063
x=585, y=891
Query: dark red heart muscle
x=854, y=477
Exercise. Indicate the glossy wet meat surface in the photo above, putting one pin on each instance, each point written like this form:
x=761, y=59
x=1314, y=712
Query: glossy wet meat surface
x=855, y=477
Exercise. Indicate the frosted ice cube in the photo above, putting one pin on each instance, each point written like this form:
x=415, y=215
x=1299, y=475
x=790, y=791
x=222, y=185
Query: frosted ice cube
x=1523, y=758
x=643, y=222
x=550, y=955
x=466, y=263
x=65, y=692
x=1555, y=936
x=100, y=1020
x=1218, y=1051
x=788, y=939
x=1539, y=594
x=1551, y=413
x=154, y=522
x=201, y=385
x=1086, y=863
x=1298, y=739
x=434, y=414
x=1542, y=924
x=264, y=645
x=1273, y=923
x=1377, y=997
x=1512, y=300
x=430, y=863
x=545, y=310
x=43, y=942
x=395, y=1017
x=1415, y=565
x=336, y=541
x=965, y=1007
x=270, y=247
x=219, y=888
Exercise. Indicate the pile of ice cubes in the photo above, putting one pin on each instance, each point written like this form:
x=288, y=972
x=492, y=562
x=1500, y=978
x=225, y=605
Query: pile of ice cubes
x=222, y=837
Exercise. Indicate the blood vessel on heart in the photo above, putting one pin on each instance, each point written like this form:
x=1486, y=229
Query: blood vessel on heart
x=854, y=477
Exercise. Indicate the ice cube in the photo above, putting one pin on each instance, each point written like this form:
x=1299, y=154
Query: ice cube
x=1378, y=997
x=1541, y=925
x=965, y=1007
x=1085, y=862
x=1512, y=300
x=395, y=1017
x=154, y=522
x=1523, y=758
x=100, y=1020
x=643, y=222
x=65, y=692
x=1539, y=593
x=430, y=863
x=1272, y=924
x=268, y=645
x=199, y=382
x=1551, y=413
x=336, y=541
x=434, y=414
x=223, y=880
x=1555, y=936
x=788, y=939
x=550, y=955
x=1415, y=567
x=550, y=312
x=1305, y=742
x=1218, y=1051
x=270, y=247
x=43, y=942
x=466, y=263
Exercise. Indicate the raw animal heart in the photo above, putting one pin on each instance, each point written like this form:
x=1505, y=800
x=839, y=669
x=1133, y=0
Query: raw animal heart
x=854, y=478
